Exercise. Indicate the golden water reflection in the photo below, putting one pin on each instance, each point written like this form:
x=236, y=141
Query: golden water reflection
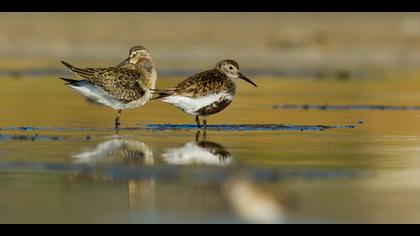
x=118, y=149
x=247, y=202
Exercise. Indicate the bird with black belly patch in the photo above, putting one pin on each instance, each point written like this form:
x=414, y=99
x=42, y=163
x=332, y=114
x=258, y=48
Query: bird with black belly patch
x=205, y=93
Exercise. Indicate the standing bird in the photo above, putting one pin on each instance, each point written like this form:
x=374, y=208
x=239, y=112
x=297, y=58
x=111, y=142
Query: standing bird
x=206, y=93
x=126, y=86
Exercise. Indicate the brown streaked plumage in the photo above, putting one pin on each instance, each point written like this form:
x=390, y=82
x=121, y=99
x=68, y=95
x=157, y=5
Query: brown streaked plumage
x=206, y=93
x=126, y=86
x=202, y=84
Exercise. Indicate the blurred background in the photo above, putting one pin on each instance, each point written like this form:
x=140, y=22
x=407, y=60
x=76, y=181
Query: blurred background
x=316, y=44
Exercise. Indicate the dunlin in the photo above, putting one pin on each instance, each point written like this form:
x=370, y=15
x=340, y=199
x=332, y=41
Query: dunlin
x=205, y=93
x=126, y=86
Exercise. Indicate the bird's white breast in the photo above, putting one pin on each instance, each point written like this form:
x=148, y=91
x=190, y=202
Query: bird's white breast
x=98, y=95
x=193, y=105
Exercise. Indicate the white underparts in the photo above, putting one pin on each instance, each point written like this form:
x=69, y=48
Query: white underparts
x=98, y=95
x=193, y=105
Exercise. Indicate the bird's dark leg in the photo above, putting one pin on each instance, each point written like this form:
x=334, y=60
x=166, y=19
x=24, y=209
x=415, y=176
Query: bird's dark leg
x=197, y=120
x=117, y=120
x=205, y=122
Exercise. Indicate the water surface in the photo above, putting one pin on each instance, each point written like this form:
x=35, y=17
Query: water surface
x=61, y=160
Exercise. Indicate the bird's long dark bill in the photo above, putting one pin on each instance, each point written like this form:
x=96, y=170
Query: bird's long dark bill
x=123, y=63
x=246, y=79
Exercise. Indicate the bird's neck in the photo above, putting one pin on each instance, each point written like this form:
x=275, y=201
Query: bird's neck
x=231, y=85
x=149, y=67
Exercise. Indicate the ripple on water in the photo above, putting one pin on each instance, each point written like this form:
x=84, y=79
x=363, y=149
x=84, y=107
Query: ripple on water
x=45, y=128
x=168, y=172
x=159, y=127
x=249, y=127
x=34, y=137
x=347, y=107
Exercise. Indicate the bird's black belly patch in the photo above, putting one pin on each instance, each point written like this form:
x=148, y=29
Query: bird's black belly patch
x=214, y=107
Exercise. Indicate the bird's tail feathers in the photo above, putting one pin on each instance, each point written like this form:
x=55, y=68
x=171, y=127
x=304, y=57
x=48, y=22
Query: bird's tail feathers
x=162, y=93
x=78, y=71
x=70, y=81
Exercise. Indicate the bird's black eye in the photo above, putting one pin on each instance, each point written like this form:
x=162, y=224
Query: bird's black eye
x=230, y=67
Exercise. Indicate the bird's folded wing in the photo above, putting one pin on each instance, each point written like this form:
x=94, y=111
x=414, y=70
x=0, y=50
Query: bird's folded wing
x=201, y=84
x=124, y=84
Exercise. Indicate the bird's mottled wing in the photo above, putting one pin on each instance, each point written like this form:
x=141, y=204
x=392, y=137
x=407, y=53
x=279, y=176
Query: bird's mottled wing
x=124, y=84
x=202, y=84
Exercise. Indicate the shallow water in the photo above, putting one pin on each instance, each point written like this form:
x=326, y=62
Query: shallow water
x=61, y=160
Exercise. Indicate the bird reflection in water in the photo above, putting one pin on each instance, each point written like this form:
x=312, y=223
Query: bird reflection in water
x=148, y=194
x=198, y=153
x=125, y=151
x=119, y=149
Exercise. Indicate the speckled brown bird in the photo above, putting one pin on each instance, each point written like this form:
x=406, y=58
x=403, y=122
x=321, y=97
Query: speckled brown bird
x=206, y=93
x=126, y=86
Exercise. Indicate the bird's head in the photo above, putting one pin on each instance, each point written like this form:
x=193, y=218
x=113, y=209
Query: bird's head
x=230, y=68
